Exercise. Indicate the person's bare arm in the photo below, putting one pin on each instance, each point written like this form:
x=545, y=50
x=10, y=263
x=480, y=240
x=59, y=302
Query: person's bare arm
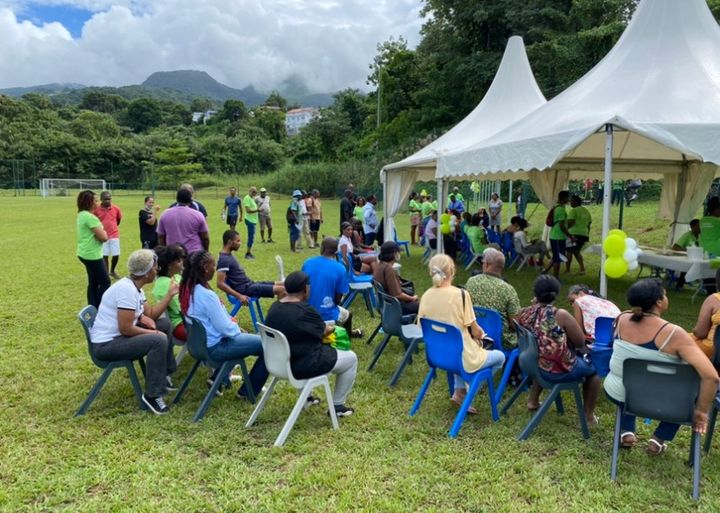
x=702, y=327
x=100, y=233
x=476, y=331
x=158, y=308
x=127, y=326
x=691, y=353
x=573, y=331
x=161, y=240
x=578, y=315
x=220, y=282
x=205, y=240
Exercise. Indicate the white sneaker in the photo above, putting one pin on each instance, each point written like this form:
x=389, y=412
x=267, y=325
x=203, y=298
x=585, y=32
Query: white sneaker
x=563, y=258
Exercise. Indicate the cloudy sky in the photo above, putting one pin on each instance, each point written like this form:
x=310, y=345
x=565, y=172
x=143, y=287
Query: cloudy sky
x=239, y=42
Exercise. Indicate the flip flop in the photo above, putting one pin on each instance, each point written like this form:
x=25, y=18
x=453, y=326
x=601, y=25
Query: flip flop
x=471, y=410
x=627, y=439
x=655, y=448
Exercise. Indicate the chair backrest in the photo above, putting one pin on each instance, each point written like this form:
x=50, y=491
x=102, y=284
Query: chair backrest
x=276, y=353
x=492, y=236
x=529, y=356
x=716, y=344
x=660, y=390
x=443, y=345
x=86, y=316
x=197, y=339
x=491, y=322
x=604, y=331
x=391, y=315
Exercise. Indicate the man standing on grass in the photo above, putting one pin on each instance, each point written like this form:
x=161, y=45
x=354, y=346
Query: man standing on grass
x=231, y=210
x=148, y=218
x=251, y=220
x=110, y=217
x=370, y=220
x=316, y=218
x=231, y=278
x=183, y=225
x=263, y=204
x=559, y=234
x=194, y=204
x=346, y=208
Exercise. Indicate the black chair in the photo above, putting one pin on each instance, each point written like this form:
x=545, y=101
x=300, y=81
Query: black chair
x=528, y=360
x=197, y=347
x=406, y=319
x=664, y=391
x=86, y=316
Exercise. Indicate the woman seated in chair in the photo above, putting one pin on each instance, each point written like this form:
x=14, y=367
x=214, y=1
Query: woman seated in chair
x=363, y=263
x=128, y=328
x=304, y=329
x=475, y=235
x=588, y=306
x=708, y=320
x=225, y=341
x=559, y=338
x=643, y=334
x=534, y=247
x=170, y=266
x=391, y=282
x=446, y=303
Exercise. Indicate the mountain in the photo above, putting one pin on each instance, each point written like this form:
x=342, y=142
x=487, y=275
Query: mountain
x=199, y=83
x=294, y=90
x=49, y=89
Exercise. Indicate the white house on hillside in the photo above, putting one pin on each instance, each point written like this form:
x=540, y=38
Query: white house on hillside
x=295, y=119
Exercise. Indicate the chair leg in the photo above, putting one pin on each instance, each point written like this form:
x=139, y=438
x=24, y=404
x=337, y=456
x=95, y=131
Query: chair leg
x=378, y=352
x=181, y=354
x=616, y=445
x=186, y=382
x=136, y=385
x=380, y=347
x=375, y=332
x=491, y=397
x=509, y=363
x=253, y=315
x=349, y=298
x=141, y=361
x=331, y=405
x=581, y=412
x=225, y=368
x=246, y=380
x=261, y=404
x=423, y=389
x=294, y=414
x=368, y=302
x=467, y=402
x=406, y=358
x=94, y=391
x=559, y=405
x=695, y=441
x=524, y=384
x=539, y=414
x=711, y=429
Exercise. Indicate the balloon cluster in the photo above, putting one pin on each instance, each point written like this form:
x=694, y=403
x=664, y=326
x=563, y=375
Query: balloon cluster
x=622, y=254
x=445, y=228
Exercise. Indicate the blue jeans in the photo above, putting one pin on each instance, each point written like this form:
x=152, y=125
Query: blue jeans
x=251, y=234
x=495, y=360
x=665, y=431
x=240, y=346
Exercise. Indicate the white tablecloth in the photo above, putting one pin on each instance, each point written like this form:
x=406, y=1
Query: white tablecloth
x=693, y=269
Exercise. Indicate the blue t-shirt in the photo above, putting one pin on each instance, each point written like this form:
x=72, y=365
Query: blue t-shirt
x=232, y=203
x=327, y=278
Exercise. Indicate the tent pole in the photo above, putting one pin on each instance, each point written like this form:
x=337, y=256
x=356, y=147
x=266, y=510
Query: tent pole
x=387, y=222
x=607, y=189
x=440, y=210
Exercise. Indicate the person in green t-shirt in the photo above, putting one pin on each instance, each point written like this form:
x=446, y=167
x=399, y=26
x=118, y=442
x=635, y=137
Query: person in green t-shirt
x=689, y=238
x=559, y=234
x=90, y=236
x=475, y=234
x=415, y=210
x=170, y=267
x=710, y=228
x=251, y=219
x=578, y=225
x=458, y=197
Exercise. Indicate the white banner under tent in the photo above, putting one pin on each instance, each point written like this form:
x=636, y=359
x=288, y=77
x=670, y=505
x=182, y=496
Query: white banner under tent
x=649, y=109
x=512, y=95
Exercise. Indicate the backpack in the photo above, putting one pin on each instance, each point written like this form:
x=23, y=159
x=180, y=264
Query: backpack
x=550, y=219
x=290, y=216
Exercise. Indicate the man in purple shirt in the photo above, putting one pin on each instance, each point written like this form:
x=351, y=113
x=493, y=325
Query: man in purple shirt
x=183, y=225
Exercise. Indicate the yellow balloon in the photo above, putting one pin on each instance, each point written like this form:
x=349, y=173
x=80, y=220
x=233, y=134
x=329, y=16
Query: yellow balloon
x=615, y=267
x=445, y=228
x=614, y=246
x=617, y=232
x=445, y=218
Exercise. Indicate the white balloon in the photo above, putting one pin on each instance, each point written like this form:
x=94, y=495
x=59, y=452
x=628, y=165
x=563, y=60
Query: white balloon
x=633, y=265
x=630, y=243
x=639, y=251
x=630, y=255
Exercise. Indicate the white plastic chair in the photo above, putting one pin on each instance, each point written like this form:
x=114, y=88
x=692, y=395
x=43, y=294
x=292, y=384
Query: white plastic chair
x=276, y=352
x=521, y=255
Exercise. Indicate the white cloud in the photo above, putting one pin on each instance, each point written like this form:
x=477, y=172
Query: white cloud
x=239, y=42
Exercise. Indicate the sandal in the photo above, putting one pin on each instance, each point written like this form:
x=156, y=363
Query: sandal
x=458, y=401
x=655, y=448
x=627, y=440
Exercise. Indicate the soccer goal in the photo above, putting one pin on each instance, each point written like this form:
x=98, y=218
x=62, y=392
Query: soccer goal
x=69, y=186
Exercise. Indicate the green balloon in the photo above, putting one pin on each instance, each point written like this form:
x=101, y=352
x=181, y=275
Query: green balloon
x=615, y=267
x=445, y=229
x=614, y=246
x=445, y=218
x=617, y=232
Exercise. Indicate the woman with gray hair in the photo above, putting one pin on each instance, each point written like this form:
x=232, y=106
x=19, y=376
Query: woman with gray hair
x=128, y=328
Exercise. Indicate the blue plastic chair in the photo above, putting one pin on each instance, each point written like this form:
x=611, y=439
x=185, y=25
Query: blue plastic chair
x=359, y=284
x=86, y=316
x=492, y=236
x=197, y=347
x=443, y=348
x=508, y=248
x=402, y=243
x=604, y=331
x=492, y=324
x=256, y=313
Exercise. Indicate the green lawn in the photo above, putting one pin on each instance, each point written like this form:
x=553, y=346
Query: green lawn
x=118, y=458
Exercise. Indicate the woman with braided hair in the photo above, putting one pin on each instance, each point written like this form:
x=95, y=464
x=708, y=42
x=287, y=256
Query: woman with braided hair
x=225, y=341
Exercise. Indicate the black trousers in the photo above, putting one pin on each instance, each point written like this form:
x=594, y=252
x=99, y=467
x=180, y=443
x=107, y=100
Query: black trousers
x=98, y=280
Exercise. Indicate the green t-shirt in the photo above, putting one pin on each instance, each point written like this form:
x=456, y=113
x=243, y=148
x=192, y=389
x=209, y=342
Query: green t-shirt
x=710, y=234
x=475, y=236
x=88, y=247
x=582, y=218
x=434, y=205
x=426, y=208
x=458, y=197
x=559, y=215
x=249, y=203
x=160, y=290
x=414, y=207
x=358, y=213
x=687, y=239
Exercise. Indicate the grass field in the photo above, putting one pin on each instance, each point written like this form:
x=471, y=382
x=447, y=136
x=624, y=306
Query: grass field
x=117, y=458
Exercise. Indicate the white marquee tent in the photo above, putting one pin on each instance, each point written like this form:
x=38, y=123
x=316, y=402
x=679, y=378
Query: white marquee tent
x=512, y=95
x=651, y=107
